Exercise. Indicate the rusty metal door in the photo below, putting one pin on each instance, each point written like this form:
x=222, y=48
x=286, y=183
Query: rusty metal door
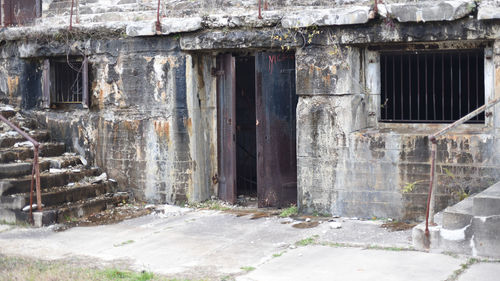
x=226, y=121
x=20, y=12
x=276, y=104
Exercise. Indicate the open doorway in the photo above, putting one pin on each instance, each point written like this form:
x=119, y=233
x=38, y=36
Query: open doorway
x=256, y=103
x=246, y=146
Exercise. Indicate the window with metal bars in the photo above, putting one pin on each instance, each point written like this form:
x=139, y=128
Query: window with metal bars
x=431, y=86
x=65, y=81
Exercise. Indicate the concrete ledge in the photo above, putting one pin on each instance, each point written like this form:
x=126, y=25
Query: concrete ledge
x=428, y=10
x=324, y=17
x=488, y=13
x=168, y=26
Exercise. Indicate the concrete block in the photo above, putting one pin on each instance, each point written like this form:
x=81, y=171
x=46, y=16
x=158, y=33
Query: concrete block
x=486, y=240
x=325, y=17
x=427, y=10
x=487, y=203
x=488, y=12
x=458, y=215
x=421, y=241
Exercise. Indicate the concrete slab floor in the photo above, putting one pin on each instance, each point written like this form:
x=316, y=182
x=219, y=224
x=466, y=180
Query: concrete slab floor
x=211, y=245
x=481, y=272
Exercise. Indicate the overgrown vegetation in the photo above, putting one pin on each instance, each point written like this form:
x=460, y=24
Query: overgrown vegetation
x=290, y=211
x=307, y=241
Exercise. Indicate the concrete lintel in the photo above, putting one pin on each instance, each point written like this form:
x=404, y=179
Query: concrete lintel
x=427, y=10
x=326, y=17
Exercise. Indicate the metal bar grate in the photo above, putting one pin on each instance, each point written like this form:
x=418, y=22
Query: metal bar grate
x=68, y=84
x=431, y=86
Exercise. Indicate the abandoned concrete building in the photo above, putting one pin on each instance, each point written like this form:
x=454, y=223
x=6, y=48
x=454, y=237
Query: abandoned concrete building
x=324, y=104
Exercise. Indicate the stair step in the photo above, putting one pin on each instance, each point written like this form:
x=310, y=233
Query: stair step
x=486, y=236
x=49, y=149
x=487, y=203
x=12, y=170
x=10, y=140
x=23, y=153
x=47, y=180
x=65, y=212
x=458, y=215
x=91, y=206
x=58, y=195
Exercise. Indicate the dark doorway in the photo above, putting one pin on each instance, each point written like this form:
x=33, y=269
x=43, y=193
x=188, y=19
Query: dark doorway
x=257, y=128
x=246, y=146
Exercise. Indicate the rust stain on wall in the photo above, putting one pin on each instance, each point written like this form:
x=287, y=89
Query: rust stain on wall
x=189, y=126
x=13, y=84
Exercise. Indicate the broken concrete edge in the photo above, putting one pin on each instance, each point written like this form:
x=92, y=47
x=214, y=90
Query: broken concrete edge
x=350, y=15
x=427, y=11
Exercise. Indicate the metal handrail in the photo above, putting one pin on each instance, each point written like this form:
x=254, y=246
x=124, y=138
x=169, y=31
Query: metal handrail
x=35, y=171
x=433, y=140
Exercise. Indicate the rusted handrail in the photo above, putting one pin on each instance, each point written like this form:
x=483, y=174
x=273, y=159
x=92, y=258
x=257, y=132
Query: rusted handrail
x=433, y=140
x=35, y=171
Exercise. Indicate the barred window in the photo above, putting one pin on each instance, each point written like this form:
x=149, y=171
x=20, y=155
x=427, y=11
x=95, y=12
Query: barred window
x=431, y=86
x=65, y=81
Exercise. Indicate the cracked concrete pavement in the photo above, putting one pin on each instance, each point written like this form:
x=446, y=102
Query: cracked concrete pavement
x=206, y=244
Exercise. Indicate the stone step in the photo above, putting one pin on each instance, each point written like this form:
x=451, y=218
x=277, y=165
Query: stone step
x=65, y=212
x=47, y=180
x=23, y=153
x=88, y=207
x=458, y=215
x=487, y=203
x=58, y=195
x=19, y=169
x=12, y=170
x=10, y=140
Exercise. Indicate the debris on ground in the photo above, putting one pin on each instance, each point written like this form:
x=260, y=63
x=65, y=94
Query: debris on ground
x=110, y=216
x=398, y=226
x=306, y=224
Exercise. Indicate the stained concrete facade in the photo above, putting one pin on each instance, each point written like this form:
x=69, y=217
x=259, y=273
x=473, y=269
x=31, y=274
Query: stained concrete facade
x=152, y=121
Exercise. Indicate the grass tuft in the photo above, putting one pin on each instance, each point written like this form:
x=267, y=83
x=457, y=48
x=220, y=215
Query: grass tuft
x=290, y=211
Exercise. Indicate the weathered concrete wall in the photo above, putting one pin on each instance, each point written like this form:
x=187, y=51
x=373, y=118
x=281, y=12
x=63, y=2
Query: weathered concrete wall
x=142, y=127
x=152, y=125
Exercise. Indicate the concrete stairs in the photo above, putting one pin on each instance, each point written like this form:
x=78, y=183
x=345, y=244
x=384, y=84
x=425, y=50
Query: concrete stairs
x=470, y=227
x=70, y=190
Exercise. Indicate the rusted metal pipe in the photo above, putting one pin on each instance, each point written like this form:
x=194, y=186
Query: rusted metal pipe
x=433, y=140
x=260, y=9
x=71, y=15
x=158, y=23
